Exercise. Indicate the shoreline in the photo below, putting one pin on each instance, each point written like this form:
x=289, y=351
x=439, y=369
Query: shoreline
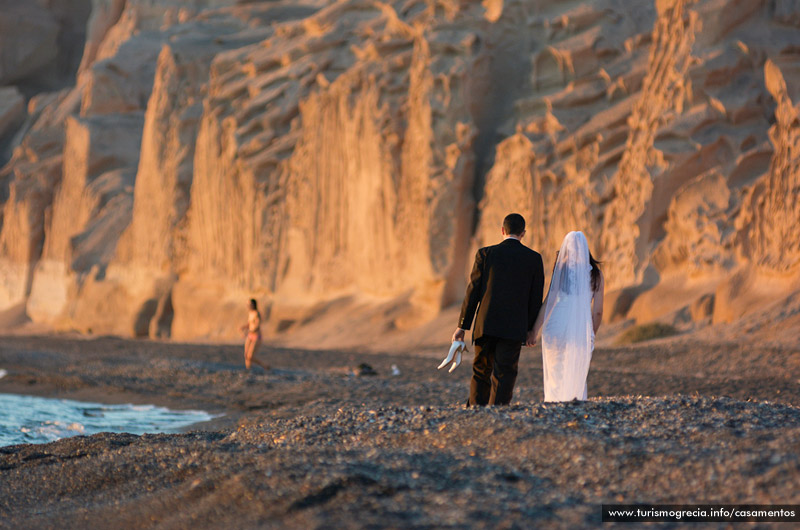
x=222, y=420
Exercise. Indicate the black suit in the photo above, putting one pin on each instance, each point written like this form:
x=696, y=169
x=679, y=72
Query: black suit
x=505, y=288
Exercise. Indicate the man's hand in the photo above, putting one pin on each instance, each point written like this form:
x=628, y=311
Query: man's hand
x=531, y=339
x=458, y=335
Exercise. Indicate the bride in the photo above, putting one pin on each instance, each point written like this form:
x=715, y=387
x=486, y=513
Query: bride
x=573, y=310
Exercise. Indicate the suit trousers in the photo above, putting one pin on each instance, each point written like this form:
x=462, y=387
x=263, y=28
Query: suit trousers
x=494, y=371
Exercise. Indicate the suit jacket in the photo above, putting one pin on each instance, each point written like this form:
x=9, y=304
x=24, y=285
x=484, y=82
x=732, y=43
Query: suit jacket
x=505, y=287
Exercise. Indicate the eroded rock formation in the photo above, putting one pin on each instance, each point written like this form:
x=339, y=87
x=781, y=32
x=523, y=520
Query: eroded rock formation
x=308, y=152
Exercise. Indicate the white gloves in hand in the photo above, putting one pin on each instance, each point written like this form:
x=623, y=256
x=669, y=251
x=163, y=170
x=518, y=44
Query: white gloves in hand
x=456, y=349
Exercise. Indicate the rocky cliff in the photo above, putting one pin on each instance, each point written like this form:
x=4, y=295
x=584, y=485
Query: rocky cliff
x=165, y=160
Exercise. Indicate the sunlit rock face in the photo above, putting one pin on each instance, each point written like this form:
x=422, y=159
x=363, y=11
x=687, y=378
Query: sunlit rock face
x=309, y=152
x=663, y=132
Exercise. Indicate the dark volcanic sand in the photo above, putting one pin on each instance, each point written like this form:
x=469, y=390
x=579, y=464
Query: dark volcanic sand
x=308, y=445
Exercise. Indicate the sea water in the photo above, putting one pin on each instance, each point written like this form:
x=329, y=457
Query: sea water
x=31, y=420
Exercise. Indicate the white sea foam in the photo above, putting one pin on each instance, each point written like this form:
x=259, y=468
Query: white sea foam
x=55, y=430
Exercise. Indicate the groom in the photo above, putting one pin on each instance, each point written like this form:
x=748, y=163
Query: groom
x=505, y=287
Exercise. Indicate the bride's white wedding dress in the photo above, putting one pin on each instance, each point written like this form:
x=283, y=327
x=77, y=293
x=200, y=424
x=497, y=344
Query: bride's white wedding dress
x=567, y=332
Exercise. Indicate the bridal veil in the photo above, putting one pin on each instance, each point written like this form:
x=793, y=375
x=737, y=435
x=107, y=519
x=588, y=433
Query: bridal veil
x=567, y=334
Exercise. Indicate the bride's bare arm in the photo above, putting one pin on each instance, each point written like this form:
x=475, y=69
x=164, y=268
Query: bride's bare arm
x=597, y=303
x=537, y=326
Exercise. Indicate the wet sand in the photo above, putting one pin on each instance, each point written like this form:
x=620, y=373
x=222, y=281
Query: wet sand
x=309, y=444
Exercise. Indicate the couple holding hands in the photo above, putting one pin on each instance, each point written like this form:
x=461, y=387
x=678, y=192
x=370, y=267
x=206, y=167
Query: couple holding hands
x=505, y=290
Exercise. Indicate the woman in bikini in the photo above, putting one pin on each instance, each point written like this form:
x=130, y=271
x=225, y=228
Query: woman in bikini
x=253, y=336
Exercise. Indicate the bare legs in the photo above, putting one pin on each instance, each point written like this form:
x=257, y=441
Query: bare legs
x=250, y=349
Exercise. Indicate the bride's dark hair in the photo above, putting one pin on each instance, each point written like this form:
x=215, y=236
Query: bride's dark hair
x=595, y=271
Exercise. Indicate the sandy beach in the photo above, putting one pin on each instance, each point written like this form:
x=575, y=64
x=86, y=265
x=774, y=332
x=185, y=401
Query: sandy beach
x=311, y=445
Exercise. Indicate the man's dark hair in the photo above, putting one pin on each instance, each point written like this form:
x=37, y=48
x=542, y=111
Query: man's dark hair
x=253, y=304
x=514, y=224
